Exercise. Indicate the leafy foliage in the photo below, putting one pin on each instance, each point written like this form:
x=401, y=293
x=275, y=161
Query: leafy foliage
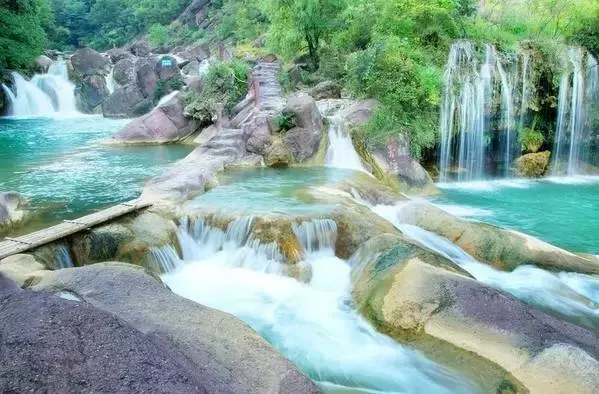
x=531, y=140
x=22, y=36
x=225, y=85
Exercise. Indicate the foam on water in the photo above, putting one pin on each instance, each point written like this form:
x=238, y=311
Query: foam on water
x=487, y=185
x=572, y=296
x=314, y=324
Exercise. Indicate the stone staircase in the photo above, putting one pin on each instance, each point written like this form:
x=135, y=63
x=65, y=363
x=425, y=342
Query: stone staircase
x=270, y=94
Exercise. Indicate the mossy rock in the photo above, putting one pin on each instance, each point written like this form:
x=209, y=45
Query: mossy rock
x=533, y=165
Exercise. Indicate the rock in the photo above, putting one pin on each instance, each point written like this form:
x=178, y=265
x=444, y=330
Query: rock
x=117, y=54
x=259, y=136
x=167, y=68
x=413, y=296
x=277, y=155
x=21, y=268
x=356, y=224
x=194, y=84
x=227, y=355
x=326, y=90
x=370, y=190
x=396, y=161
x=503, y=249
x=50, y=344
x=90, y=93
x=43, y=63
x=189, y=15
x=165, y=123
x=192, y=68
x=124, y=71
x=303, y=141
x=126, y=102
x=140, y=48
x=88, y=62
x=146, y=76
x=130, y=240
x=196, y=53
x=533, y=165
x=359, y=113
x=13, y=211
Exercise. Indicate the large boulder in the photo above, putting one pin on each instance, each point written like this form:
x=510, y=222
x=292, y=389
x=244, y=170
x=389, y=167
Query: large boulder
x=21, y=268
x=226, y=354
x=277, y=155
x=88, y=62
x=191, y=14
x=147, y=78
x=326, y=90
x=139, y=47
x=126, y=102
x=43, y=63
x=304, y=140
x=117, y=54
x=124, y=71
x=165, y=123
x=258, y=133
x=13, y=211
x=533, y=165
x=358, y=113
x=50, y=344
x=420, y=297
x=503, y=249
x=91, y=93
x=167, y=68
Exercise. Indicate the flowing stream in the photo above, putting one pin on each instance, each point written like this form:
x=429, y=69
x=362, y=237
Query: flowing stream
x=341, y=152
x=314, y=323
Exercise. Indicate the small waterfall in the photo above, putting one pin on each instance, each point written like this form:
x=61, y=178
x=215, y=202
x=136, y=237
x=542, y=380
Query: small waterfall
x=316, y=235
x=110, y=82
x=63, y=258
x=47, y=94
x=569, y=296
x=578, y=98
x=341, y=152
x=471, y=86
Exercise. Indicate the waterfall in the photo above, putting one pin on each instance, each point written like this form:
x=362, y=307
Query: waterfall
x=569, y=296
x=110, y=82
x=316, y=235
x=471, y=86
x=578, y=98
x=341, y=152
x=47, y=94
x=313, y=323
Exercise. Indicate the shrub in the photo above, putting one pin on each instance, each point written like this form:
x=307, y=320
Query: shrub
x=531, y=140
x=285, y=121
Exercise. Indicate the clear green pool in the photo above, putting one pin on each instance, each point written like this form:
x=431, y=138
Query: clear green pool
x=271, y=190
x=61, y=167
x=561, y=211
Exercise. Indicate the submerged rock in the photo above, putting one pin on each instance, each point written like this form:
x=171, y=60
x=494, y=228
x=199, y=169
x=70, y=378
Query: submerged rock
x=165, y=123
x=422, y=298
x=533, y=165
x=225, y=353
x=50, y=344
x=13, y=211
x=504, y=249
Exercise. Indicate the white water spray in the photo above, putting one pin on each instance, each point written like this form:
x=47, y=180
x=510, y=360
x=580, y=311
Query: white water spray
x=341, y=152
x=313, y=324
x=49, y=94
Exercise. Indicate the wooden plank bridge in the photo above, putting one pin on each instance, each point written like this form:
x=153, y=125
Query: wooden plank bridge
x=12, y=246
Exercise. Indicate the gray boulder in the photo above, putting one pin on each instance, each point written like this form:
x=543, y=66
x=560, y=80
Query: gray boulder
x=277, y=155
x=165, y=123
x=145, y=70
x=126, y=102
x=227, y=355
x=13, y=211
x=303, y=141
x=326, y=90
x=117, y=54
x=124, y=72
x=87, y=62
x=90, y=93
x=167, y=68
x=359, y=113
x=192, y=14
x=43, y=63
x=50, y=344
x=259, y=136
x=139, y=48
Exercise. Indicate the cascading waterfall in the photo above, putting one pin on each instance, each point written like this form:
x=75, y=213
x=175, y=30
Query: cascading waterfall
x=110, y=82
x=314, y=324
x=568, y=296
x=341, y=152
x=49, y=94
x=578, y=98
x=470, y=89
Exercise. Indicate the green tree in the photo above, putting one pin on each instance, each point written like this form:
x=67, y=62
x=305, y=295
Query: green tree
x=22, y=37
x=297, y=25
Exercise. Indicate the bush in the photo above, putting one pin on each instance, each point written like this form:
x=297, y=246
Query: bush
x=285, y=121
x=531, y=140
x=226, y=84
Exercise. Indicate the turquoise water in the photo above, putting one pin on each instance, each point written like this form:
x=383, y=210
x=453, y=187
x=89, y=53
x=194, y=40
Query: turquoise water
x=59, y=165
x=561, y=211
x=271, y=190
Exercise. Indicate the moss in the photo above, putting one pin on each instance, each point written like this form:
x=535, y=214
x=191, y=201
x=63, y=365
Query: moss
x=533, y=165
